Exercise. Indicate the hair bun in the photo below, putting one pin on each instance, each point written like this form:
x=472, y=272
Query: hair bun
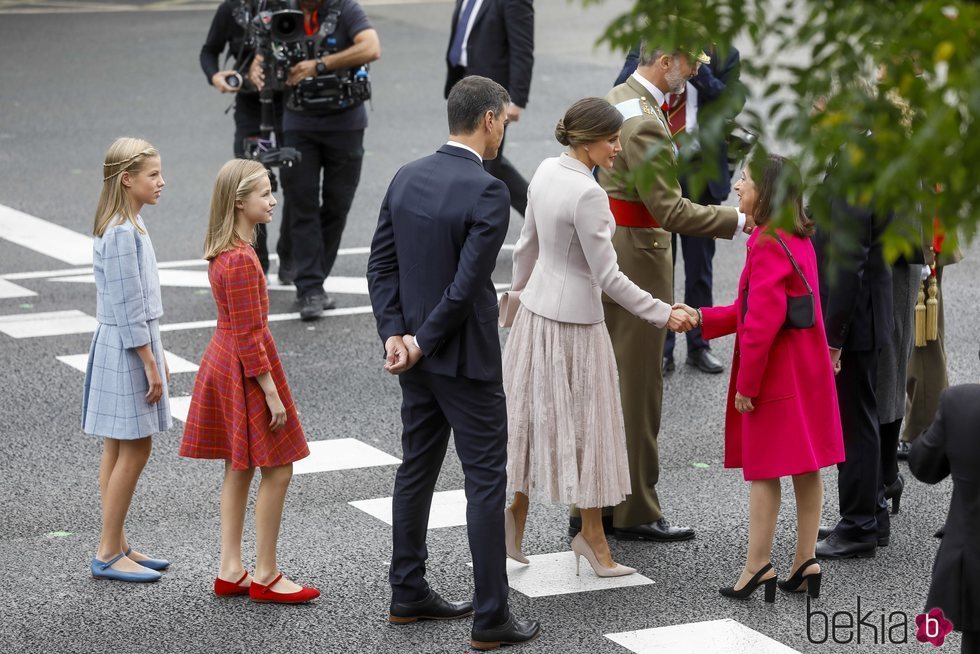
x=561, y=133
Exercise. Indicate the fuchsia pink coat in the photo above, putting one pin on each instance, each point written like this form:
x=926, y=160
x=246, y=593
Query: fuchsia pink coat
x=795, y=427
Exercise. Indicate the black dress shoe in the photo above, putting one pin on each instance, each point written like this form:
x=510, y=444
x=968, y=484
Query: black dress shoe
x=835, y=546
x=883, y=538
x=903, y=450
x=575, y=525
x=705, y=361
x=311, y=306
x=659, y=531
x=669, y=365
x=512, y=632
x=432, y=607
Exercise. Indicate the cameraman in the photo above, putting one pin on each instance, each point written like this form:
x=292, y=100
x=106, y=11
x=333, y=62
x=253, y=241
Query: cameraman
x=329, y=140
x=228, y=31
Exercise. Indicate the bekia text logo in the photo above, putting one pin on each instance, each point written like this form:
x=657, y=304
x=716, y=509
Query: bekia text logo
x=933, y=627
x=874, y=626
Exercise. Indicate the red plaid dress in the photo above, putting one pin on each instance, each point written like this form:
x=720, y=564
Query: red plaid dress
x=228, y=417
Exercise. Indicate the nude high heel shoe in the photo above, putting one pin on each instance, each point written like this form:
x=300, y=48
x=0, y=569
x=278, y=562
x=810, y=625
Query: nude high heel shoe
x=582, y=548
x=510, y=538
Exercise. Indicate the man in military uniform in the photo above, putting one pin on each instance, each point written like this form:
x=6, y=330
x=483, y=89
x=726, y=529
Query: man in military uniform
x=646, y=212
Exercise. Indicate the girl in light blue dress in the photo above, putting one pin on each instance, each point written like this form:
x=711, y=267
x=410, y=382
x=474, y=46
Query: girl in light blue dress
x=125, y=398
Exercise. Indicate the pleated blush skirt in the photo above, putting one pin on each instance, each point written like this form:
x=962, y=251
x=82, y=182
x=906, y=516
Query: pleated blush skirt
x=566, y=441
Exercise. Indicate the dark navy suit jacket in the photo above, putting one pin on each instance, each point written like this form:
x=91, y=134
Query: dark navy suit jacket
x=441, y=227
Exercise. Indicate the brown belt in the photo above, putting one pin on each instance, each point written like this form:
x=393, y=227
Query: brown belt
x=631, y=214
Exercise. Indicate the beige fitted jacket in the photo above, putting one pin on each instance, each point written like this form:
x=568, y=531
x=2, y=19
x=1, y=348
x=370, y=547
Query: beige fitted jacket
x=565, y=259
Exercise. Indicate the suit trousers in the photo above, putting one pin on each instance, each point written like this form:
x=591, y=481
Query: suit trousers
x=698, y=279
x=476, y=412
x=319, y=213
x=248, y=120
x=970, y=643
x=864, y=513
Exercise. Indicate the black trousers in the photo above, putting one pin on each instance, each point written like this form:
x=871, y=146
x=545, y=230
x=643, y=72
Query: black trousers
x=699, y=256
x=864, y=513
x=248, y=120
x=476, y=413
x=318, y=213
x=970, y=643
x=502, y=169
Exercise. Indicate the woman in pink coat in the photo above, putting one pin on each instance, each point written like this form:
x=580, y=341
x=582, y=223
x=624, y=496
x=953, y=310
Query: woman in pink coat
x=782, y=418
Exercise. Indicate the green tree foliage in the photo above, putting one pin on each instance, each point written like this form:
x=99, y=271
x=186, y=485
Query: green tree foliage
x=876, y=99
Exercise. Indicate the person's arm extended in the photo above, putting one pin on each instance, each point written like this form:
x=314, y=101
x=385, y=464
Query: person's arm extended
x=366, y=48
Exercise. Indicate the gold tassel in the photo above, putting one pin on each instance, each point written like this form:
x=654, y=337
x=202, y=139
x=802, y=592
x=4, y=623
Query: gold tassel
x=932, y=310
x=920, y=318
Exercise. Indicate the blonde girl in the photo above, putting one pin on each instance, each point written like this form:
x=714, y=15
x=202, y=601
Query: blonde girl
x=125, y=398
x=241, y=410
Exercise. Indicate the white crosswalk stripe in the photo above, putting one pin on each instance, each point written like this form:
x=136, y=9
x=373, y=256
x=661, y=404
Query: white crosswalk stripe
x=45, y=237
x=50, y=323
x=448, y=509
x=177, y=364
x=342, y=454
x=715, y=636
x=554, y=574
x=11, y=290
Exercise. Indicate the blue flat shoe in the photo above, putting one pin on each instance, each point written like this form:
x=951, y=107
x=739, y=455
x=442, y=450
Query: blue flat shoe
x=152, y=564
x=103, y=570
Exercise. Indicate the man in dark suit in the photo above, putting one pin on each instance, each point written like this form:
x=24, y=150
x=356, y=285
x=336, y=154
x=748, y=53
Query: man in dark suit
x=495, y=39
x=441, y=226
x=951, y=447
x=715, y=89
x=856, y=295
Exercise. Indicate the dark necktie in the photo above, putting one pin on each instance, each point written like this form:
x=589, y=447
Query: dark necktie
x=456, y=47
x=677, y=113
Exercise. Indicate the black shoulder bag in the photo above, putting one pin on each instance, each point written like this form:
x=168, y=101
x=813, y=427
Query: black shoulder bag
x=800, y=309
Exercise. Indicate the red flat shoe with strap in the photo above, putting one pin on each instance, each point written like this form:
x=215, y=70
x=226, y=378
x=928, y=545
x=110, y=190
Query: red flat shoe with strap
x=261, y=593
x=224, y=588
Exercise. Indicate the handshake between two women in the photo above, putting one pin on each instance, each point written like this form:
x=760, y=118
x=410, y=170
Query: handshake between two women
x=683, y=318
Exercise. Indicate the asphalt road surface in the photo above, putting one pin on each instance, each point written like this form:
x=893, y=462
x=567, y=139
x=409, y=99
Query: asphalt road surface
x=74, y=76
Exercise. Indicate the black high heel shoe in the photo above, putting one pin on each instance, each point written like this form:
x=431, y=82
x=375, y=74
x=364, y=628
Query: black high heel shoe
x=753, y=583
x=800, y=582
x=893, y=492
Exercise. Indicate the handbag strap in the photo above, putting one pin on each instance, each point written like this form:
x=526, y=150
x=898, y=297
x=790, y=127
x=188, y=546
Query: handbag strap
x=793, y=261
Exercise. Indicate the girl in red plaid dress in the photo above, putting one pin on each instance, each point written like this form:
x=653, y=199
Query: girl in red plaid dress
x=241, y=410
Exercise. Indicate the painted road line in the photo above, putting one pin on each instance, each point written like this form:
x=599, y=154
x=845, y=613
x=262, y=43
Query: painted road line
x=45, y=237
x=177, y=364
x=273, y=317
x=715, y=636
x=448, y=509
x=342, y=454
x=52, y=323
x=9, y=289
x=179, y=406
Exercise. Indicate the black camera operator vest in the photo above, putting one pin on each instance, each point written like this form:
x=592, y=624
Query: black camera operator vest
x=333, y=92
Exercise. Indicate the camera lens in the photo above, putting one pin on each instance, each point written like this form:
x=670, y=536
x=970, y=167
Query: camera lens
x=233, y=80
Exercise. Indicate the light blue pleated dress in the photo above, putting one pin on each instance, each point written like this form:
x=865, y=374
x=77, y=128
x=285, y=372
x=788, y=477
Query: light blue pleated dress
x=128, y=310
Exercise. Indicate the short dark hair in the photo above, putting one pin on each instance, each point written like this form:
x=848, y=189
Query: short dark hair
x=780, y=188
x=587, y=121
x=470, y=99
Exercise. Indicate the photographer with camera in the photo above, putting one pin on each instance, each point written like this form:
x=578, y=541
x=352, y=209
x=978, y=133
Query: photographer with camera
x=230, y=30
x=320, y=57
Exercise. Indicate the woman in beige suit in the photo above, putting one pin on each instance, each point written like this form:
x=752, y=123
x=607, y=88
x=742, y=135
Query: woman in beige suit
x=565, y=421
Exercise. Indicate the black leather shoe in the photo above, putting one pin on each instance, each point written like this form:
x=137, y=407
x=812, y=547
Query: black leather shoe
x=669, y=365
x=883, y=538
x=286, y=274
x=575, y=525
x=311, y=306
x=903, y=450
x=658, y=531
x=512, y=632
x=432, y=607
x=835, y=546
x=705, y=361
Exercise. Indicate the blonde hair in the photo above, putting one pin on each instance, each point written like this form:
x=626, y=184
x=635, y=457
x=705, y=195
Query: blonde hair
x=236, y=179
x=125, y=155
